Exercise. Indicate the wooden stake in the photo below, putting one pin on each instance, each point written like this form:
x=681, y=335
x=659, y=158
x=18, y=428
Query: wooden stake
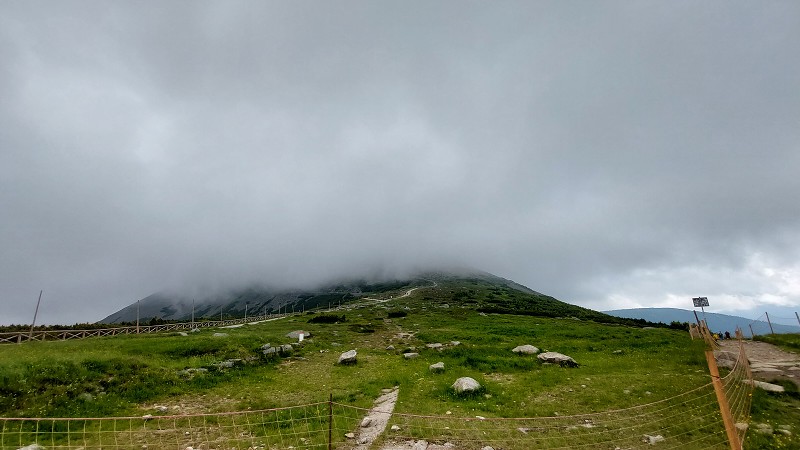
x=771, y=331
x=36, y=313
x=724, y=407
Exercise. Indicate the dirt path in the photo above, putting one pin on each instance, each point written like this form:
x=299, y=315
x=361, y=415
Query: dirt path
x=375, y=421
x=768, y=362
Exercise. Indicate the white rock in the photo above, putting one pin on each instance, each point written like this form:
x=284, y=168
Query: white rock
x=350, y=435
x=769, y=387
x=652, y=440
x=438, y=367
x=557, y=358
x=466, y=384
x=220, y=334
x=366, y=421
x=420, y=445
x=525, y=349
x=410, y=355
x=395, y=428
x=348, y=357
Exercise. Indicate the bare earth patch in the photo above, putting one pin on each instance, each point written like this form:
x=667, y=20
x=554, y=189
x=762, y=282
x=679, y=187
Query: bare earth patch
x=768, y=362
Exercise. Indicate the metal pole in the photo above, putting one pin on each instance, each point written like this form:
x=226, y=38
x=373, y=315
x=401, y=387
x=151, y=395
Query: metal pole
x=35, y=313
x=137, y=316
x=193, y=314
x=245, y=312
x=752, y=335
x=798, y=317
x=771, y=331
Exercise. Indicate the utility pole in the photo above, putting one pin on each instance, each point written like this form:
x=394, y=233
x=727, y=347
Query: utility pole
x=245, y=311
x=798, y=317
x=137, y=316
x=35, y=313
x=193, y=314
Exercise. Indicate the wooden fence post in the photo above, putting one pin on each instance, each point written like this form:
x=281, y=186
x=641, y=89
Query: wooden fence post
x=724, y=406
x=330, y=422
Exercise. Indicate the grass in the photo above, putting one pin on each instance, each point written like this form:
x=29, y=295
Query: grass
x=619, y=366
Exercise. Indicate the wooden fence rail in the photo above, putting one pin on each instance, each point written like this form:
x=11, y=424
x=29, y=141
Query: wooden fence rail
x=18, y=337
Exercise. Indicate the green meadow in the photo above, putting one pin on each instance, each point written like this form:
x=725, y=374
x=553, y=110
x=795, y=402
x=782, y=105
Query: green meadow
x=620, y=366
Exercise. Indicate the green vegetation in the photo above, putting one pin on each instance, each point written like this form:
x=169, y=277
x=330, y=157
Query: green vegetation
x=621, y=365
x=788, y=342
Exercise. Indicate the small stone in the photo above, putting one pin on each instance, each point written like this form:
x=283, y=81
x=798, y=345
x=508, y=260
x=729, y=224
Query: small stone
x=487, y=448
x=220, y=334
x=363, y=440
x=652, y=440
x=769, y=387
x=161, y=408
x=391, y=347
x=348, y=357
x=437, y=368
x=366, y=422
x=410, y=355
x=350, y=435
x=764, y=428
x=455, y=343
x=436, y=345
x=420, y=445
x=395, y=428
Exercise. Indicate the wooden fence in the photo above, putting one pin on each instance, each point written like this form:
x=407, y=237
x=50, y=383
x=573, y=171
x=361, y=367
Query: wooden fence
x=18, y=337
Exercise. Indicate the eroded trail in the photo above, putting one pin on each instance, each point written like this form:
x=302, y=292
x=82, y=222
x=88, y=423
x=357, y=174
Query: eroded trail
x=768, y=362
x=375, y=422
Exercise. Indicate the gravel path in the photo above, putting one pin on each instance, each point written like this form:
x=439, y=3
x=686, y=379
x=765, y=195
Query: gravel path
x=768, y=362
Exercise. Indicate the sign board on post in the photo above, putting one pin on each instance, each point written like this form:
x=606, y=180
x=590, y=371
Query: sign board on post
x=700, y=302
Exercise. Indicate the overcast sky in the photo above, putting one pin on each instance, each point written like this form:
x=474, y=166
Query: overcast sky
x=611, y=154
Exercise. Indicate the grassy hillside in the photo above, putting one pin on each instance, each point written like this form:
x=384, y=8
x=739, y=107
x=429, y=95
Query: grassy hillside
x=620, y=365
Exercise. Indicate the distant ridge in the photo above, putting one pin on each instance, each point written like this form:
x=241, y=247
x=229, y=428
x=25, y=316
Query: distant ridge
x=717, y=322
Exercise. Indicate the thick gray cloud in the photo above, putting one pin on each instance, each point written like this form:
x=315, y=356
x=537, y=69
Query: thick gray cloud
x=612, y=155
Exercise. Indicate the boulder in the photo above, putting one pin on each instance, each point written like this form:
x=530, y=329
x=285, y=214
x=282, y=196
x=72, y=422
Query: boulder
x=525, y=350
x=436, y=345
x=348, y=357
x=296, y=334
x=466, y=384
x=557, y=358
x=726, y=359
x=410, y=355
x=436, y=368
